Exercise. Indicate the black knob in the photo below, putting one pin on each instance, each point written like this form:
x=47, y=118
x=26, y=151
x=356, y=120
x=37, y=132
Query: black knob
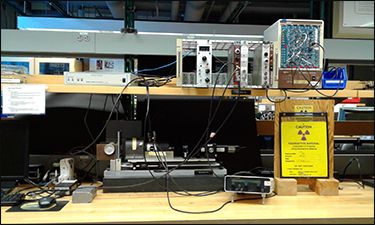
x=204, y=58
x=207, y=80
x=207, y=70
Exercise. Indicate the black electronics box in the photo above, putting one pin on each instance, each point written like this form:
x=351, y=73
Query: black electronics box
x=128, y=128
x=66, y=187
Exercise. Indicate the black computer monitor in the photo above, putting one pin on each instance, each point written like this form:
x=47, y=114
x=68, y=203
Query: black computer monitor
x=356, y=113
x=181, y=121
x=14, y=159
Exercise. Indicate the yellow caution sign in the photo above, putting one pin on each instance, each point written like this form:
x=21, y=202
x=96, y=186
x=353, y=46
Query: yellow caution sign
x=304, y=149
x=304, y=108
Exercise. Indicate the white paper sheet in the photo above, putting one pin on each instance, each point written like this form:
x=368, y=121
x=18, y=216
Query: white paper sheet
x=24, y=99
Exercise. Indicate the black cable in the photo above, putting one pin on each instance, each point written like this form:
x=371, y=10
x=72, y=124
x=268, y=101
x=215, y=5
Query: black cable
x=155, y=146
x=189, y=156
x=145, y=141
x=324, y=52
x=96, y=161
x=155, y=81
x=337, y=89
x=105, y=102
x=185, y=192
x=213, y=92
x=210, y=112
x=89, y=131
x=34, y=184
x=109, y=117
x=273, y=101
x=297, y=91
x=161, y=67
x=317, y=90
x=74, y=151
x=251, y=171
x=41, y=189
x=113, y=102
x=292, y=62
x=85, y=118
x=89, y=170
x=210, y=138
x=197, y=147
x=147, y=119
x=359, y=170
x=156, y=179
x=193, y=152
x=309, y=84
x=207, y=211
x=321, y=77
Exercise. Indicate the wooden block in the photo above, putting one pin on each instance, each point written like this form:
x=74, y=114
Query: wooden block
x=327, y=187
x=312, y=186
x=100, y=154
x=286, y=186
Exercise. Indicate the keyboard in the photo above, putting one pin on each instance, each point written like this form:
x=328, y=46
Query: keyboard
x=11, y=199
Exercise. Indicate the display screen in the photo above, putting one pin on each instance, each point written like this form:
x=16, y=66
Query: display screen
x=248, y=181
x=16, y=67
x=204, y=48
x=53, y=68
x=14, y=149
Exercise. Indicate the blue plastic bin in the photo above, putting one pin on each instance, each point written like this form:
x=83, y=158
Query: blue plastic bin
x=334, y=78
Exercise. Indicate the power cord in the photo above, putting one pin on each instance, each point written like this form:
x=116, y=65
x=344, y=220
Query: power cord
x=273, y=101
x=156, y=148
x=317, y=90
x=359, y=170
x=161, y=67
x=108, y=119
x=169, y=171
x=85, y=118
x=208, y=211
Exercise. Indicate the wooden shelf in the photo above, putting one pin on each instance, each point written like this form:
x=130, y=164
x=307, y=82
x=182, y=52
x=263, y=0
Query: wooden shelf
x=55, y=84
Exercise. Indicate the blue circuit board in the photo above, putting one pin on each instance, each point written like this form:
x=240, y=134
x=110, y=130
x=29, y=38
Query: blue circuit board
x=298, y=48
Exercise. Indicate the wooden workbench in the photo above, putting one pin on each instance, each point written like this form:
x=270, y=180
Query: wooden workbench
x=55, y=84
x=353, y=205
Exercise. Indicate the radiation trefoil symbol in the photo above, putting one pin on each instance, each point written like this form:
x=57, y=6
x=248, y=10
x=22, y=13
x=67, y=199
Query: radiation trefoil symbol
x=303, y=138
